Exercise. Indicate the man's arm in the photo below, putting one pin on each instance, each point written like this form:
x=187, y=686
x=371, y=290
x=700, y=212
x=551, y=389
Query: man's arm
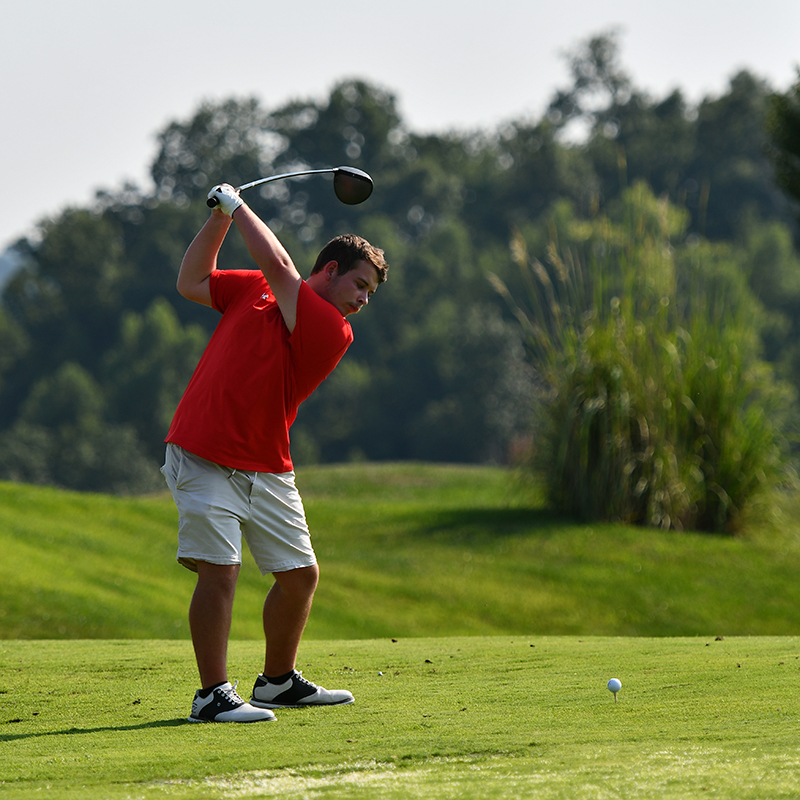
x=276, y=264
x=200, y=259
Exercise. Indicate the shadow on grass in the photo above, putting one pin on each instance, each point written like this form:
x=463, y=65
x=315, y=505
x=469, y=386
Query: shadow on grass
x=164, y=723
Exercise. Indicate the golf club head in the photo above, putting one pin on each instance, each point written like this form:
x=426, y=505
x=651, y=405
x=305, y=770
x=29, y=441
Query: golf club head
x=352, y=186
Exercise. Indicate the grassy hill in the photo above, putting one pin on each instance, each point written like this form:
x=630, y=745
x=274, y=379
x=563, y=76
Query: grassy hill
x=405, y=550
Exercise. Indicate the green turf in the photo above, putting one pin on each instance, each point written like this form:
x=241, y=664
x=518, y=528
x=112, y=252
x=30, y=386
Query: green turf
x=483, y=717
x=405, y=550
x=482, y=695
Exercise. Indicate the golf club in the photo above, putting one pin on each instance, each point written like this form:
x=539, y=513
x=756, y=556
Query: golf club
x=352, y=186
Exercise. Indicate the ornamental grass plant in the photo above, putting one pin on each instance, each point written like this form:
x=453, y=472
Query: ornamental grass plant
x=652, y=405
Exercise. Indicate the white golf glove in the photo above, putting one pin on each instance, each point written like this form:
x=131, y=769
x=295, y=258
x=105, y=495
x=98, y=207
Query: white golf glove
x=226, y=197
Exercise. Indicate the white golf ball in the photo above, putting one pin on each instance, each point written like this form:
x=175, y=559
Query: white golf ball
x=614, y=685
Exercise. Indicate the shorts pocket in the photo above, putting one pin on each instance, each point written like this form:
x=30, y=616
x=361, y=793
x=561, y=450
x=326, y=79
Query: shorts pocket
x=173, y=466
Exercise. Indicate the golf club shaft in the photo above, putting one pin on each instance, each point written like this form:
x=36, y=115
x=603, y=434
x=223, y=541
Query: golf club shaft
x=212, y=202
x=285, y=175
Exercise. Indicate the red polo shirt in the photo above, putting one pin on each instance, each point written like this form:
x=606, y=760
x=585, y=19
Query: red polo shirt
x=253, y=375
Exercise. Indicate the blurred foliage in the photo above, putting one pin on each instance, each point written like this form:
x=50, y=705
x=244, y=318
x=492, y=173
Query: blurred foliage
x=653, y=404
x=96, y=345
x=783, y=126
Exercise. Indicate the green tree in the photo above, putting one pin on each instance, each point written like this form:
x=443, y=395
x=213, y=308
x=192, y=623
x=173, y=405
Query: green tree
x=61, y=438
x=14, y=345
x=766, y=257
x=147, y=369
x=599, y=83
x=229, y=141
x=66, y=296
x=711, y=159
x=642, y=139
x=783, y=126
x=730, y=165
x=70, y=396
x=352, y=127
x=154, y=237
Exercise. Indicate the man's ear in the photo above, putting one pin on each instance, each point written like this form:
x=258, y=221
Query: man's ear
x=331, y=269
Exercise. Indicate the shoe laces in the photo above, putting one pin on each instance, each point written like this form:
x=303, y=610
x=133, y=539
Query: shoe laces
x=231, y=694
x=299, y=676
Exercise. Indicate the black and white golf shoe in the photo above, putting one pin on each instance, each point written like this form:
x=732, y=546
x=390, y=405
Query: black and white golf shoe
x=296, y=692
x=223, y=704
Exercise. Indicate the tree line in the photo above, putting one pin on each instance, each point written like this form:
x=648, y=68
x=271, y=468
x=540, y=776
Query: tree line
x=96, y=346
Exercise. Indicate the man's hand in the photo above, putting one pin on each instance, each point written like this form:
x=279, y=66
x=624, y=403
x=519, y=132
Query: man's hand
x=227, y=198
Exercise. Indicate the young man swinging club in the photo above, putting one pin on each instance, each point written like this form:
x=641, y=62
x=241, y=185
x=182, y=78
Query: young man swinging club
x=227, y=462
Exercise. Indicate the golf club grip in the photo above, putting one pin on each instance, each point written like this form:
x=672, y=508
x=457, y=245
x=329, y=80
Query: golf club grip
x=212, y=202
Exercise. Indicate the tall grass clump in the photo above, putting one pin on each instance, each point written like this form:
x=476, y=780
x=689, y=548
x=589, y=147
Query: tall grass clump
x=652, y=403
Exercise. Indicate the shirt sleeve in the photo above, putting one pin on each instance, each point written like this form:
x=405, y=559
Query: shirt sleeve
x=226, y=284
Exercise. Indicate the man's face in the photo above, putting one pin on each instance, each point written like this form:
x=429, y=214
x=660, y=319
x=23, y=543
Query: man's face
x=351, y=291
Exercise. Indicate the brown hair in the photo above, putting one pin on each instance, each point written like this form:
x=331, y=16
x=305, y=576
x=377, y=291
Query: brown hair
x=347, y=250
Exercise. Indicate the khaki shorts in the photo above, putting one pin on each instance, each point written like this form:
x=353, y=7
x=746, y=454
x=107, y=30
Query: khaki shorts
x=217, y=505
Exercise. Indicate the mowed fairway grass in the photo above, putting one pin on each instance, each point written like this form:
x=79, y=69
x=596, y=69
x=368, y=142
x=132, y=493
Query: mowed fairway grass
x=476, y=629
x=482, y=717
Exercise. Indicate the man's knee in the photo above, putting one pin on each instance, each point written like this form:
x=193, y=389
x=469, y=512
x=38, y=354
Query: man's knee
x=301, y=582
x=220, y=577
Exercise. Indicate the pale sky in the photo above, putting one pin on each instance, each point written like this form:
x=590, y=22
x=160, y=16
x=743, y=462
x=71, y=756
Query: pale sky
x=88, y=84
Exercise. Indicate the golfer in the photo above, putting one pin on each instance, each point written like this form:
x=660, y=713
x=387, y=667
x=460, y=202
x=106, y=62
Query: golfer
x=227, y=461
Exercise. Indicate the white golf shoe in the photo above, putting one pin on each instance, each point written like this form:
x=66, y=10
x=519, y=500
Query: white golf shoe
x=296, y=692
x=223, y=704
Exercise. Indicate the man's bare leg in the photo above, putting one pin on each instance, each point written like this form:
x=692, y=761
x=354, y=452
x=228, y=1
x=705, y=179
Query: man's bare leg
x=210, y=615
x=286, y=611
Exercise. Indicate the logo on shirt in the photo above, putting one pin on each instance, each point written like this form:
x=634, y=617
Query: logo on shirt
x=264, y=296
